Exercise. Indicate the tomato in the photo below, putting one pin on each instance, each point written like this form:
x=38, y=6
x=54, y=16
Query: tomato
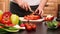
x=22, y=25
x=45, y=19
x=25, y=17
x=26, y=24
x=36, y=17
x=29, y=28
x=34, y=26
x=32, y=17
x=6, y=18
x=30, y=24
x=51, y=18
x=48, y=19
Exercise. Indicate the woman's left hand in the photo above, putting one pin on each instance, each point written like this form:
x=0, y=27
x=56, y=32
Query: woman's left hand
x=39, y=11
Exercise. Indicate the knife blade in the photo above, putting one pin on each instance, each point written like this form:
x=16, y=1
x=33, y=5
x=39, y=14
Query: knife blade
x=33, y=12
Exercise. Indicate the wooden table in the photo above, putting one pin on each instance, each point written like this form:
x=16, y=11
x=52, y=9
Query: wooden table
x=41, y=29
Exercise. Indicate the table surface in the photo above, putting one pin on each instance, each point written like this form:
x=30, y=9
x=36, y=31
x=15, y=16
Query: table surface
x=41, y=29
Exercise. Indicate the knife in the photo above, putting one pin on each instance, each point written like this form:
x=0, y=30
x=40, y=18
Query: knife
x=31, y=11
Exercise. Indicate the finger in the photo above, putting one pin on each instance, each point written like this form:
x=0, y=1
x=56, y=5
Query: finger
x=37, y=11
x=41, y=13
x=21, y=6
x=30, y=9
x=26, y=7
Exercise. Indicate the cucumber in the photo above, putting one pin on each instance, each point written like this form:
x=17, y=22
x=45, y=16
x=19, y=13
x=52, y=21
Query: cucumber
x=11, y=29
x=52, y=25
x=49, y=24
x=2, y=31
x=55, y=23
x=8, y=29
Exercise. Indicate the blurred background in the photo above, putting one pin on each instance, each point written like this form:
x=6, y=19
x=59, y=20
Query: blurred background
x=4, y=5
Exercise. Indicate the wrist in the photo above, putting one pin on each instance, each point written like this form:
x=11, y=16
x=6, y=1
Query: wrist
x=17, y=1
x=41, y=7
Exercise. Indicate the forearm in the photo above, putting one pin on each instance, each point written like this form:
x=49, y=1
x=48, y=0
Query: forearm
x=17, y=1
x=42, y=4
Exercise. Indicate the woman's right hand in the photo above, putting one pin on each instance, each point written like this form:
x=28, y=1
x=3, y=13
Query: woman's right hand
x=23, y=4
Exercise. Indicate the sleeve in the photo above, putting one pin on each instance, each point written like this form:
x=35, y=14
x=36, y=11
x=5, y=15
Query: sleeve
x=11, y=0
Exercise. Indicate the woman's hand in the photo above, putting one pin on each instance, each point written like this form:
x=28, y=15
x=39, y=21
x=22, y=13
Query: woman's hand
x=39, y=11
x=23, y=4
x=41, y=7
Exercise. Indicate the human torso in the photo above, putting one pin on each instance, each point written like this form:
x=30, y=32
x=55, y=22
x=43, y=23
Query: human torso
x=33, y=2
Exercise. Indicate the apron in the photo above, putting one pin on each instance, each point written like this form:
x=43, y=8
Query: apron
x=15, y=9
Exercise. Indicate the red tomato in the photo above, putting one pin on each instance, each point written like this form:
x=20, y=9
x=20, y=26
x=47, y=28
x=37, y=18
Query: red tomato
x=49, y=18
x=29, y=28
x=36, y=17
x=32, y=17
x=46, y=19
x=34, y=26
x=26, y=24
x=30, y=24
x=22, y=25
